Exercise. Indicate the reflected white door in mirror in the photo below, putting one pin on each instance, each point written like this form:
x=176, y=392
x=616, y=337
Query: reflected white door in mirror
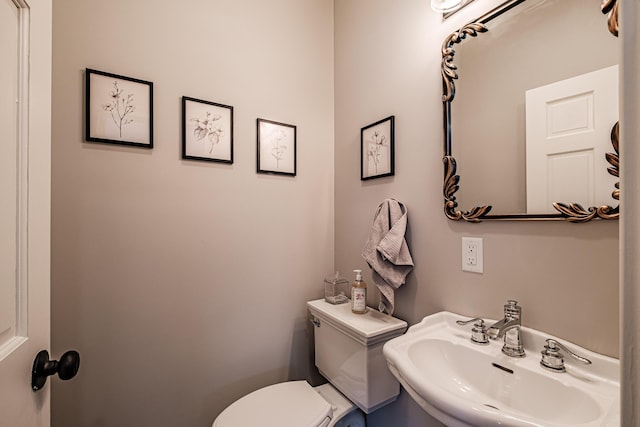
x=567, y=138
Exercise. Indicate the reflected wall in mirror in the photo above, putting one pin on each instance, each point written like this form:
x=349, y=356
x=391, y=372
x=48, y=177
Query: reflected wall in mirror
x=518, y=47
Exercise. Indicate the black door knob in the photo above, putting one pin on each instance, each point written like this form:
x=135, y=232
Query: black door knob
x=66, y=368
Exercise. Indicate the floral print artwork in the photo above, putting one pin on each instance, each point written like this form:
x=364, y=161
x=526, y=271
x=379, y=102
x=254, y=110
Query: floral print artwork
x=276, y=147
x=121, y=107
x=207, y=131
x=377, y=149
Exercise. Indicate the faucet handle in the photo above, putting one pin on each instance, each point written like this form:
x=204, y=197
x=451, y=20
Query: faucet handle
x=478, y=332
x=552, y=358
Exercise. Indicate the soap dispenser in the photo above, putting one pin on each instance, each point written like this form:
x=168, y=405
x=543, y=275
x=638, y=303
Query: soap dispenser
x=358, y=294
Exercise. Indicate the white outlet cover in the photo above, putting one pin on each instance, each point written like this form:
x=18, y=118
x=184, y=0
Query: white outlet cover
x=472, y=259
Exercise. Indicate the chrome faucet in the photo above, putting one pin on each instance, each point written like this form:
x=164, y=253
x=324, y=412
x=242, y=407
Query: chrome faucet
x=509, y=328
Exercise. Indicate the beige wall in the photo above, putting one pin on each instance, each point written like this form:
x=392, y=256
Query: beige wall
x=183, y=284
x=565, y=276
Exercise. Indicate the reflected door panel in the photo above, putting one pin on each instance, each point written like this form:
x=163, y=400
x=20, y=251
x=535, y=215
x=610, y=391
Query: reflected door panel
x=567, y=137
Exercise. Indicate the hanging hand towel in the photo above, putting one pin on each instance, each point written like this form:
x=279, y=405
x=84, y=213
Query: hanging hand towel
x=386, y=251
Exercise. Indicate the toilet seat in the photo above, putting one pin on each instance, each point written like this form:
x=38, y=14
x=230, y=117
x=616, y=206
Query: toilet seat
x=288, y=404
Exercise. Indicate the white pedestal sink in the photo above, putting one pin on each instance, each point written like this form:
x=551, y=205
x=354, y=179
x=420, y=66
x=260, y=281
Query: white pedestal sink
x=461, y=383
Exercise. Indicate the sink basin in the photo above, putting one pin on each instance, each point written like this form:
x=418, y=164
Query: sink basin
x=461, y=383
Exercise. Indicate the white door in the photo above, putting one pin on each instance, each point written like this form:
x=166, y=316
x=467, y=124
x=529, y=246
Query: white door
x=568, y=127
x=25, y=157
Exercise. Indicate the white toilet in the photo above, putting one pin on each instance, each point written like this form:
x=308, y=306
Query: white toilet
x=348, y=350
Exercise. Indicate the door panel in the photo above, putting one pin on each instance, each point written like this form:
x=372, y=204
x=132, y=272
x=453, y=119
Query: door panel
x=25, y=158
x=9, y=43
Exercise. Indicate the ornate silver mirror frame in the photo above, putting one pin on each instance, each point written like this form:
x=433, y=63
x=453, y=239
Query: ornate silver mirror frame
x=572, y=212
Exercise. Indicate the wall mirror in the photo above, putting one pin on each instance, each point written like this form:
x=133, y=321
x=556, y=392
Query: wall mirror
x=533, y=81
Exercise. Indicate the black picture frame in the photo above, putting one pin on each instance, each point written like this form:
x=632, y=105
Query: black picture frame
x=118, y=109
x=207, y=131
x=276, y=147
x=377, y=149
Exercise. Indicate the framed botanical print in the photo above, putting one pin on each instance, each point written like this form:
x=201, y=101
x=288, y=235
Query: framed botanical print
x=276, y=147
x=118, y=109
x=377, y=149
x=207, y=131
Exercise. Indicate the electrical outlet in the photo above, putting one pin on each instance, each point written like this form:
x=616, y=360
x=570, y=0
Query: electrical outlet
x=472, y=254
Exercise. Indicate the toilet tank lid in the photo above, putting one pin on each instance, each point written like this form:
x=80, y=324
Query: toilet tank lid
x=368, y=328
x=288, y=404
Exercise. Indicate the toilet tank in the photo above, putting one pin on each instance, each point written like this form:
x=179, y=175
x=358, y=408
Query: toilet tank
x=348, y=352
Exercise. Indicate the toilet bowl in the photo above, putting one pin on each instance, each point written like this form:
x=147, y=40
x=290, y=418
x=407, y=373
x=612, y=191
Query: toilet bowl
x=348, y=353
